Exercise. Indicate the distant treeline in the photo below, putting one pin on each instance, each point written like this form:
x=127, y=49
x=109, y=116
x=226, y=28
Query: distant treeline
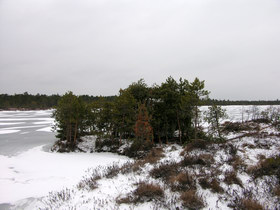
x=42, y=101
x=28, y=101
x=241, y=102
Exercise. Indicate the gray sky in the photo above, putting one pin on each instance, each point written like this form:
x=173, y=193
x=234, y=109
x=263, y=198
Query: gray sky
x=97, y=47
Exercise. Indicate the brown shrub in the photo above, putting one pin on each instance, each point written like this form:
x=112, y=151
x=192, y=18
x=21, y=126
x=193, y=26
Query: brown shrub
x=203, y=159
x=261, y=156
x=154, y=155
x=147, y=192
x=165, y=171
x=236, y=126
x=276, y=190
x=213, y=185
x=268, y=166
x=127, y=199
x=231, y=178
x=250, y=146
x=250, y=204
x=129, y=167
x=196, y=144
x=191, y=200
x=112, y=171
x=237, y=163
x=182, y=182
x=88, y=183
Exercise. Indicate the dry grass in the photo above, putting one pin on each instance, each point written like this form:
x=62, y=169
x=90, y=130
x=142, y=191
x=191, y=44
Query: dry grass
x=250, y=204
x=144, y=192
x=213, y=185
x=182, y=182
x=276, y=190
x=154, y=155
x=191, y=200
x=148, y=192
x=165, y=170
x=195, y=144
x=237, y=163
x=202, y=159
x=268, y=166
x=231, y=178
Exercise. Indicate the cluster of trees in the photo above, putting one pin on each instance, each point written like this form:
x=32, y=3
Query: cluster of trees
x=161, y=113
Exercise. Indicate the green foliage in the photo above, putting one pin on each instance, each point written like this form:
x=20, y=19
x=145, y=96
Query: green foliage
x=213, y=117
x=124, y=114
x=70, y=119
x=141, y=113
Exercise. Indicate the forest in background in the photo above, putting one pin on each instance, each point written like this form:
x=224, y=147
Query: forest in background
x=27, y=101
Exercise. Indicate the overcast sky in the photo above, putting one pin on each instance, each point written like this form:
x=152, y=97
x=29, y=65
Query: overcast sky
x=97, y=47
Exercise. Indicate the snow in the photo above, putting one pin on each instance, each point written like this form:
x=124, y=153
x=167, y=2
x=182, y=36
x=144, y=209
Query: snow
x=26, y=179
x=35, y=173
x=46, y=129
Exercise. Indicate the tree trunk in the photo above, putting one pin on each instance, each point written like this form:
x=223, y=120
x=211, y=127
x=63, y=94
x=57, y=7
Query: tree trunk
x=195, y=122
x=179, y=126
x=75, y=135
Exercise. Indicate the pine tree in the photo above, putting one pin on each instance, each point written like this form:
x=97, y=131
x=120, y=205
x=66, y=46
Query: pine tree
x=143, y=130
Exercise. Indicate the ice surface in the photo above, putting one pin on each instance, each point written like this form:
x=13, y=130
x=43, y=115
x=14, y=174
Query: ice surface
x=46, y=129
x=8, y=131
x=35, y=173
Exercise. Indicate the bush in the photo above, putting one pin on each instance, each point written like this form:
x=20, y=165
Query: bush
x=246, y=204
x=147, y=192
x=236, y=126
x=144, y=192
x=276, y=190
x=203, y=159
x=89, y=183
x=191, y=200
x=196, y=144
x=108, y=145
x=138, y=149
x=165, y=170
x=182, y=182
x=213, y=185
x=231, y=178
x=268, y=166
x=154, y=155
x=112, y=171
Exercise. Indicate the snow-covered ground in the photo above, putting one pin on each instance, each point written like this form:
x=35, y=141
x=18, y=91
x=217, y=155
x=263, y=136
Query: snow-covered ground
x=33, y=172
x=27, y=178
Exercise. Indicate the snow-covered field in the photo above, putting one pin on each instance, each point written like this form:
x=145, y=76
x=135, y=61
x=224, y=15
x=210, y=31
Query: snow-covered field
x=27, y=178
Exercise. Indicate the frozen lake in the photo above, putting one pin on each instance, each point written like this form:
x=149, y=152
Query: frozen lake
x=23, y=130
x=28, y=170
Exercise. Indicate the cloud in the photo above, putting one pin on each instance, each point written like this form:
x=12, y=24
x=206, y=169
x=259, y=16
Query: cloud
x=97, y=47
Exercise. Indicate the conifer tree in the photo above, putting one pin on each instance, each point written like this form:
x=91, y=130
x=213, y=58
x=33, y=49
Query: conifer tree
x=143, y=130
